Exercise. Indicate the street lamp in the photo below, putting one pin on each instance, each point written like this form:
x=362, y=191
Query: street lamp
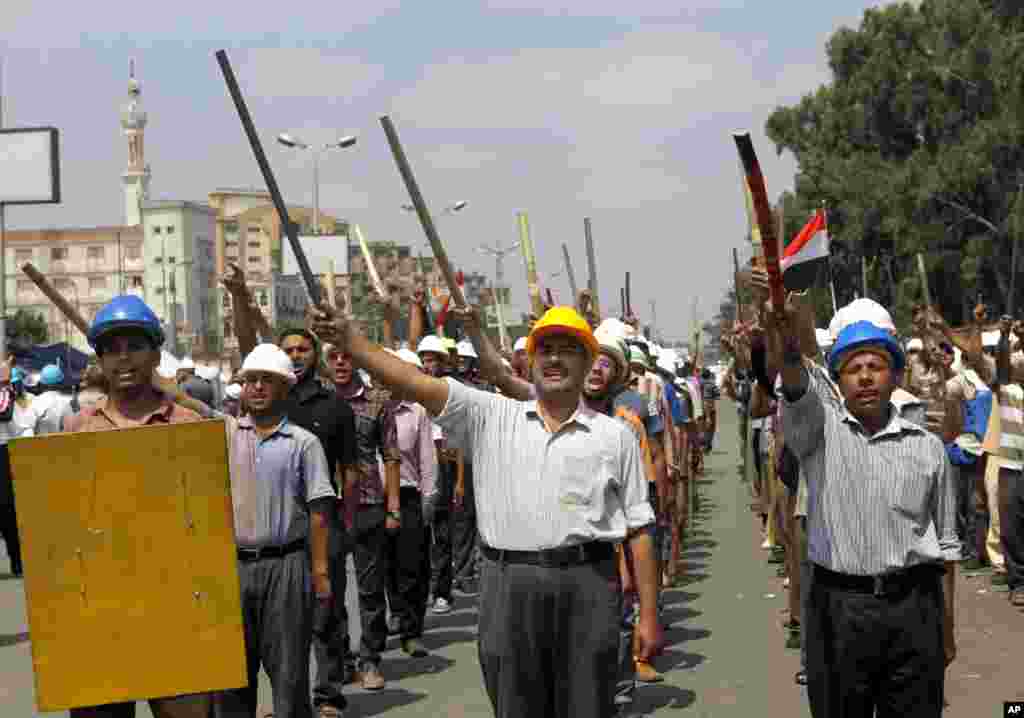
x=297, y=144
x=450, y=209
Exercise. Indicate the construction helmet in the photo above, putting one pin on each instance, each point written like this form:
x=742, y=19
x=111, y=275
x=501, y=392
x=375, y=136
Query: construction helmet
x=615, y=348
x=861, y=310
x=51, y=375
x=520, y=344
x=562, y=320
x=638, y=356
x=125, y=311
x=861, y=336
x=269, y=358
x=409, y=356
x=431, y=343
x=466, y=350
x=17, y=375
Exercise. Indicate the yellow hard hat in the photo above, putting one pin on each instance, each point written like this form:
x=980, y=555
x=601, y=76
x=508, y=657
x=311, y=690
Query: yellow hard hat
x=562, y=320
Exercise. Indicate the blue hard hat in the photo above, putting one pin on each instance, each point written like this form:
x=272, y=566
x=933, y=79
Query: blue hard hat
x=51, y=375
x=17, y=375
x=862, y=334
x=126, y=312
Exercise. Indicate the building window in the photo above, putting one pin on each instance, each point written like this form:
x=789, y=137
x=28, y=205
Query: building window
x=254, y=245
x=136, y=282
x=25, y=286
x=58, y=253
x=95, y=252
x=97, y=283
x=170, y=229
x=231, y=243
x=133, y=252
x=159, y=290
x=157, y=230
x=254, y=229
x=254, y=259
x=23, y=255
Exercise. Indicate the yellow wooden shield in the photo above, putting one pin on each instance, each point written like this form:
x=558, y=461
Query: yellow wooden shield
x=130, y=566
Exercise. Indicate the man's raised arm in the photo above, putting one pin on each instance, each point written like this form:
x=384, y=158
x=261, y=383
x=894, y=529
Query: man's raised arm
x=333, y=327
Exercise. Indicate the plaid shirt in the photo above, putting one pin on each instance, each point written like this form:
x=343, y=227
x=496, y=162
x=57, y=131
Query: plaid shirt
x=375, y=432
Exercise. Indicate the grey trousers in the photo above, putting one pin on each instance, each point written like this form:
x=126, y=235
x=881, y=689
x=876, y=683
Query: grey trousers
x=549, y=639
x=277, y=610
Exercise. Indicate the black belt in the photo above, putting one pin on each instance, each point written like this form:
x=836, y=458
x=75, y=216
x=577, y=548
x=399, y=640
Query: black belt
x=889, y=584
x=590, y=552
x=255, y=554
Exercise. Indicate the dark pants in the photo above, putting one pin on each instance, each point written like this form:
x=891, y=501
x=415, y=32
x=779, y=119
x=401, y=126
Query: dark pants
x=331, y=643
x=464, y=535
x=373, y=566
x=1011, y=528
x=549, y=639
x=8, y=517
x=875, y=657
x=966, y=515
x=441, y=534
x=408, y=577
x=277, y=611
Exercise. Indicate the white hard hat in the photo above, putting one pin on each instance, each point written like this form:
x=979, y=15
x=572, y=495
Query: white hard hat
x=269, y=358
x=187, y=363
x=465, y=349
x=667, y=362
x=431, y=343
x=407, y=355
x=520, y=344
x=915, y=345
x=990, y=339
x=233, y=391
x=210, y=373
x=861, y=310
x=825, y=339
x=613, y=327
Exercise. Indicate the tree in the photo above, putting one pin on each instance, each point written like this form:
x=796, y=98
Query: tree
x=916, y=147
x=27, y=328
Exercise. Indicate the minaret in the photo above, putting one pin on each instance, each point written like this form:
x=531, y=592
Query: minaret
x=136, y=178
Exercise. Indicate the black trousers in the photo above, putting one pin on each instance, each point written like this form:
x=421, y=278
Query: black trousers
x=408, y=578
x=465, y=549
x=8, y=517
x=372, y=553
x=331, y=642
x=966, y=516
x=1011, y=525
x=549, y=639
x=871, y=657
x=441, y=534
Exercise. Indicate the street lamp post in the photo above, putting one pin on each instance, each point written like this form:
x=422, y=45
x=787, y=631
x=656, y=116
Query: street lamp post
x=297, y=144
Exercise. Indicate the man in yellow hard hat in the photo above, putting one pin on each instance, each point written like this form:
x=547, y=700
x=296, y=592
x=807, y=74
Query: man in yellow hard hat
x=558, y=485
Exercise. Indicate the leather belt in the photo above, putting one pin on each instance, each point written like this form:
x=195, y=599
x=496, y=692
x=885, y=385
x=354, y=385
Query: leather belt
x=889, y=584
x=255, y=554
x=584, y=553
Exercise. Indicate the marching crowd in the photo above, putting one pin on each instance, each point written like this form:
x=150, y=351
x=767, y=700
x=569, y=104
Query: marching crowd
x=554, y=481
x=877, y=465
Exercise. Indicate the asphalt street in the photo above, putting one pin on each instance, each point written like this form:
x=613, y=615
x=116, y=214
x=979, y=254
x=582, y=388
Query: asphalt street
x=725, y=656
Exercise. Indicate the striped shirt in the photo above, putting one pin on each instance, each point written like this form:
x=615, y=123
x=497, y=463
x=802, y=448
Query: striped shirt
x=876, y=504
x=536, y=489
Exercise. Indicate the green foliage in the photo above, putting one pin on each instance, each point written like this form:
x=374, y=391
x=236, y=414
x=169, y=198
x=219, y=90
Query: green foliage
x=27, y=328
x=916, y=146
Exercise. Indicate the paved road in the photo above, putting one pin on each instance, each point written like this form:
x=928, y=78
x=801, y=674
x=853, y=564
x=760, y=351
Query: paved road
x=726, y=656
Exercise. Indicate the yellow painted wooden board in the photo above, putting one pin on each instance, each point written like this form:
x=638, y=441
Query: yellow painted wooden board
x=130, y=565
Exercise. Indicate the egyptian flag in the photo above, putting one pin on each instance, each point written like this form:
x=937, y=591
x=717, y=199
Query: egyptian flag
x=804, y=257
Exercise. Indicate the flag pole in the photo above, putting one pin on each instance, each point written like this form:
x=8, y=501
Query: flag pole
x=828, y=265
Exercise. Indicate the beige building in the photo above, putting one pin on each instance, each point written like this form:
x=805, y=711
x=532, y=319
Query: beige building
x=89, y=266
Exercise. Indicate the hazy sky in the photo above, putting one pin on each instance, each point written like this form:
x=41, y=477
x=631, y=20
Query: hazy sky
x=561, y=108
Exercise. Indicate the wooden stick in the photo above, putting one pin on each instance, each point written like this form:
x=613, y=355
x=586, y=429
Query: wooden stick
x=629, y=298
x=765, y=223
x=502, y=330
x=530, y=257
x=421, y=211
x=572, y=276
x=371, y=266
x=69, y=312
x=923, y=273
x=591, y=269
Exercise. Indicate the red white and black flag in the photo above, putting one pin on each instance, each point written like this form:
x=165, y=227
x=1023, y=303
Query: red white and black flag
x=804, y=257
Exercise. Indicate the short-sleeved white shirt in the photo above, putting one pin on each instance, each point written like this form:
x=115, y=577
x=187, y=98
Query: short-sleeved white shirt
x=537, y=490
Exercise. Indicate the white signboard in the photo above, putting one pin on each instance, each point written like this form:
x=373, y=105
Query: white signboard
x=29, y=166
x=320, y=250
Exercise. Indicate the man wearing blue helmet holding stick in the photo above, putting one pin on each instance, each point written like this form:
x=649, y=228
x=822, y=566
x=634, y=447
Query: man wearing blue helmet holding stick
x=881, y=528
